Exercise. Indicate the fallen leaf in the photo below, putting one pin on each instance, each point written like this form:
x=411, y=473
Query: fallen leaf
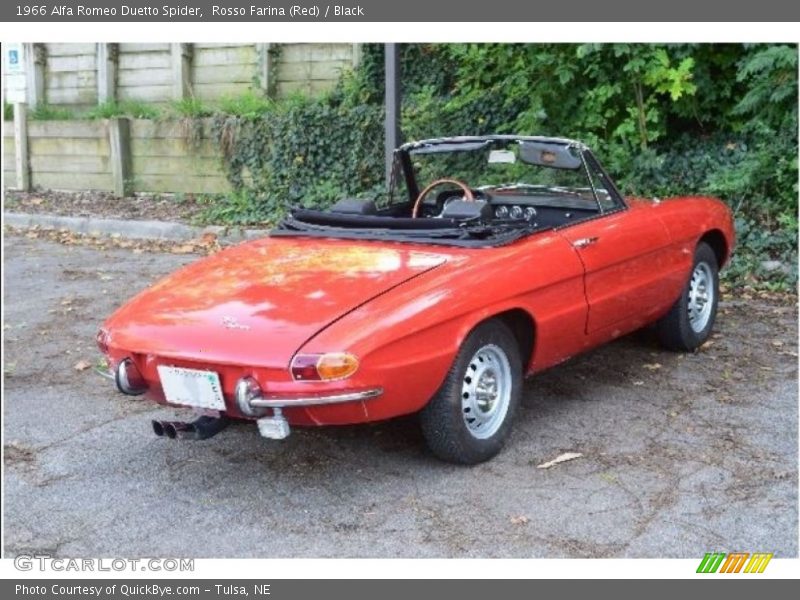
x=777, y=343
x=652, y=366
x=560, y=459
x=82, y=365
x=520, y=520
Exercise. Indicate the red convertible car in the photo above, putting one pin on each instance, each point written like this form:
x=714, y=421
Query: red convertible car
x=491, y=259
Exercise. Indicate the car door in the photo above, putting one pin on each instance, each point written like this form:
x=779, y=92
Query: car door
x=624, y=251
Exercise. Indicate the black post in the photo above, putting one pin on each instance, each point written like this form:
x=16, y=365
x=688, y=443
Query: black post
x=392, y=125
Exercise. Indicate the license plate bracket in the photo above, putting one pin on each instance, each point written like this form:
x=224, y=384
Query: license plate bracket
x=275, y=427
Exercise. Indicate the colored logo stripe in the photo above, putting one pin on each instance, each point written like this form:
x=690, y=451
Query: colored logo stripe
x=758, y=562
x=711, y=562
x=734, y=562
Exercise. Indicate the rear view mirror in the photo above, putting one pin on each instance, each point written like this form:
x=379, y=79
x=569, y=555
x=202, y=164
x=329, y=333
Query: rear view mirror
x=555, y=156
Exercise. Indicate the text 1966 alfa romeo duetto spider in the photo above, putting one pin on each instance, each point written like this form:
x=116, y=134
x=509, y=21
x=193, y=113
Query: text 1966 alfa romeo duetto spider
x=491, y=259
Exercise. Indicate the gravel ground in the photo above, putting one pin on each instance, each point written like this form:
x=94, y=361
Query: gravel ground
x=184, y=208
x=682, y=454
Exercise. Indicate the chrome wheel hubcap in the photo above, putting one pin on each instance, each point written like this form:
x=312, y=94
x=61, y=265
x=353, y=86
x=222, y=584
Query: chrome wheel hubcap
x=486, y=391
x=701, y=297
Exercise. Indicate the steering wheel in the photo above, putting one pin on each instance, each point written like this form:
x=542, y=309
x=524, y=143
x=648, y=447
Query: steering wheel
x=464, y=187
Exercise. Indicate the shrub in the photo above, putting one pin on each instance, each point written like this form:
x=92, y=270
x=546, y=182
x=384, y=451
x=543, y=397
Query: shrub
x=48, y=112
x=190, y=108
x=247, y=105
x=127, y=108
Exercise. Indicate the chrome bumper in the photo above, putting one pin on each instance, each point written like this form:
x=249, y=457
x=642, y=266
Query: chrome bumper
x=289, y=401
x=105, y=373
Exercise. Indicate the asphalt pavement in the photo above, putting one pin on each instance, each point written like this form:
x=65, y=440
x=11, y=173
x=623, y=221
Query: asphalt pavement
x=681, y=454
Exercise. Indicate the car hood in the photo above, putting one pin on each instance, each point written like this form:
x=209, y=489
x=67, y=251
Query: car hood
x=257, y=303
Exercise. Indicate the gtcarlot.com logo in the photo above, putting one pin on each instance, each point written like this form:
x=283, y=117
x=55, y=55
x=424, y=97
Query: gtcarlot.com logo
x=40, y=562
x=735, y=562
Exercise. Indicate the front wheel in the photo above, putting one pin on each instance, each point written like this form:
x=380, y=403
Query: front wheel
x=689, y=322
x=469, y=418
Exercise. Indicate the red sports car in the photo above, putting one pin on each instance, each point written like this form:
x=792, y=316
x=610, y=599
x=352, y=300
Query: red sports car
x=491, y=259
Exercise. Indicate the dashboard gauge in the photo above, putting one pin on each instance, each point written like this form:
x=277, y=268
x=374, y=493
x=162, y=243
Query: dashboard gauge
x=530, y=213
x=516, y=212
x=501, y=212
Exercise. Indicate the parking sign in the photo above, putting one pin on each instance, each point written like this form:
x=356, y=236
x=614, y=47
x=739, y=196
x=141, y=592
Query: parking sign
x=13, y=56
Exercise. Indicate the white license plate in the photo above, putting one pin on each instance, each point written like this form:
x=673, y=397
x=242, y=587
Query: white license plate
x=191, y=387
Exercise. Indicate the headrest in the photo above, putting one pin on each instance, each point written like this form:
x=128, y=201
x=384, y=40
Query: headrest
x=355, y=206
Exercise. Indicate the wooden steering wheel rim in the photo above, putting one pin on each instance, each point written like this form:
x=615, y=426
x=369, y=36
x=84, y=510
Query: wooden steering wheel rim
x=464, y=187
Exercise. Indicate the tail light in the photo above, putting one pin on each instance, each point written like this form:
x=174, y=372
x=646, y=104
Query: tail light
x=323, y=367
x=102, y=340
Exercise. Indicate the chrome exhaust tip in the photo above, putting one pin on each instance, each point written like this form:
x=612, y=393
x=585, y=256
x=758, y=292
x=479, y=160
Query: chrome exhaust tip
x=200, y=429
x=170, y=430
x=179, y=429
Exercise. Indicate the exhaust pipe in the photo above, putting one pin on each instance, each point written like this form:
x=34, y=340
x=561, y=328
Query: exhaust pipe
x=201, y=429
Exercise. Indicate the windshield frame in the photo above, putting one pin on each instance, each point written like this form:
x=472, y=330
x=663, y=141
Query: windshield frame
x=404, y=165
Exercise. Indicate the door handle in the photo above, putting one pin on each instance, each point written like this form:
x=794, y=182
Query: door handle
x=583, y=242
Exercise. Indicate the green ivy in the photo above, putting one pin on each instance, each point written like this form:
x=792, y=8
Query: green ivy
x=302, y=153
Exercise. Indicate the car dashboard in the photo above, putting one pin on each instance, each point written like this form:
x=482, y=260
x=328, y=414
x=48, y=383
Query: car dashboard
x=540, y=211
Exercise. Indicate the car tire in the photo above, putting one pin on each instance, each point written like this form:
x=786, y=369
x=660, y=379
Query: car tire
x=470, y=417
x=689, y=322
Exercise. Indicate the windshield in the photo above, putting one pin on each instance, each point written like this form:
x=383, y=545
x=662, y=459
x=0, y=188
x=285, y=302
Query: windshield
x=504, y=167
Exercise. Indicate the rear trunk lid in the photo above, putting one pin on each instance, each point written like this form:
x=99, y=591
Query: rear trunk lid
x=257, y=303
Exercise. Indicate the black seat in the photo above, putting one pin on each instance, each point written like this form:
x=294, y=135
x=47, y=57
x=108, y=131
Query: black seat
x=355, y=206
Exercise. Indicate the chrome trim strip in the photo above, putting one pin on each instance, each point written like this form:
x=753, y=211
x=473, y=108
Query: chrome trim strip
x=288, y=401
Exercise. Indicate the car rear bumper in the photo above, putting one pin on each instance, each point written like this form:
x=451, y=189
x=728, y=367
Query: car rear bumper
x=338, y=405
x=285, y=401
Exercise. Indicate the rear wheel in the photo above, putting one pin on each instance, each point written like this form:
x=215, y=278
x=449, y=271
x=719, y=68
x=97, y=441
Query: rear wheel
x=689, y=322
x=469, y=418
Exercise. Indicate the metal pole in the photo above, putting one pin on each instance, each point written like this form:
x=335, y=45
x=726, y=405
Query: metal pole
x=392, y=124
